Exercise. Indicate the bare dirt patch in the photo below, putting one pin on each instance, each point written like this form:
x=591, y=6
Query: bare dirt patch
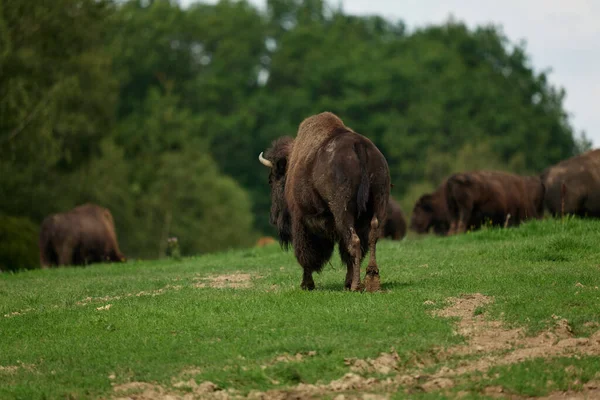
x=384, y=364
x=9, y=369
x=497, y=345
x=12, y=369
x=191, y=390
x=590, y=390
x=188, y=390
x=298, y=357
x=18, y=313
x=236, y=280
x=489, y=344
x=151, y=293
x=346, y=386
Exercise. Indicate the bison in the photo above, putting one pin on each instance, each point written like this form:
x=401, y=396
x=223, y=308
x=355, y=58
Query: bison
x=503, y=198
x=573, y=185
x=83, y=235
x=431, y=212
x=329, y=185
x=395, y=223
x=265, y=241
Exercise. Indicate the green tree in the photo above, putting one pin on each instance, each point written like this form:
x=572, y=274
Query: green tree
x=56, y=97
x=175, y=184
x=18, y=244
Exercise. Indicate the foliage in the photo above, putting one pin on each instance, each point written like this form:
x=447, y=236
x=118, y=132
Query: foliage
x=56, y=96
x=177, y=188
x=18, y=244
x=158, y=112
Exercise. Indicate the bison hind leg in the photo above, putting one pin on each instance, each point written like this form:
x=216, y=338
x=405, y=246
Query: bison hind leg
x=372, y=280
x=312, y=252
x=352, y=254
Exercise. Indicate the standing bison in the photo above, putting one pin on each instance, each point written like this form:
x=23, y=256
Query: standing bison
x=573, y=185
x=503, y=198
x=86, y=234
x=329, y=185
x=431, y=212
x=395, y=223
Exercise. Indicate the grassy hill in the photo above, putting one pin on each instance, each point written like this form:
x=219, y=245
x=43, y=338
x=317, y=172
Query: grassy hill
x=496, y=312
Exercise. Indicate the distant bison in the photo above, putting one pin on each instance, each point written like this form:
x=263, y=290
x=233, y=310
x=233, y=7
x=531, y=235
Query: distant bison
x=329, y=185
x=431, y=212
x=86, y=234
x=265, y=241
x=503, y=198
x=573, y=185
x=395, y=223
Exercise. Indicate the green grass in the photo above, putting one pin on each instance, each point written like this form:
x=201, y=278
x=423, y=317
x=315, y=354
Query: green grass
x=72, y=349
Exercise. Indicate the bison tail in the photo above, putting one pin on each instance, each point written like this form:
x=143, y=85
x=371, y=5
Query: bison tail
x=364, y=187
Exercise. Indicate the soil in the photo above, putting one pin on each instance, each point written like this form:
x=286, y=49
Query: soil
x=235, y=280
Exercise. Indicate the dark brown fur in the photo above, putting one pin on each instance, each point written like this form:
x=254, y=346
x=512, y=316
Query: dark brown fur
x=503, y=198
x=573, y=186
x=395, y=223
x=431, y=212
x=329, y=185
x=83, y=235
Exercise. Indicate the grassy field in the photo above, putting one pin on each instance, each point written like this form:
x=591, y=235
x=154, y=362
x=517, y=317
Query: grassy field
x=240, y=321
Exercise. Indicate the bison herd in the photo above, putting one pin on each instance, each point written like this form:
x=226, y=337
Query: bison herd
x=469, y=200
x=331, y=186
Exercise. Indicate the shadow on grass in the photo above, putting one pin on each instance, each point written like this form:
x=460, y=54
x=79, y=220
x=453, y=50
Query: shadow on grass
x=386, y=285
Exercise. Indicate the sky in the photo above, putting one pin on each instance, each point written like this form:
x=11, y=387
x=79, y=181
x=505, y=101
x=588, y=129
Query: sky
x=562, y=36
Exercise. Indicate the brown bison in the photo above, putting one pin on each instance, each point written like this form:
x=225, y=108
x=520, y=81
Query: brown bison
x=83, y=235
x=265, y=241
x=573, y=185
x=503, y=198
x=431, y=212
x=395, y=223
x=329, y=185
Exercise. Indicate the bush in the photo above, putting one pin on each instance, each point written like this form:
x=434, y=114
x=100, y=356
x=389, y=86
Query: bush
x=18, y=244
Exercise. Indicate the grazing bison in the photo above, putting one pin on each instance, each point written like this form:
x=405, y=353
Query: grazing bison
x=83, y=235
x=395, y=223
x=573, y=185
x=329, y=185
x=503, y=198
x=431, y=212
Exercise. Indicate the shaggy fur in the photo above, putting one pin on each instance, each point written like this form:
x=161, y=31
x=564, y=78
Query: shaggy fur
x=395, y=223
x=503, y=198
x=83, y=235
x=431, y=212
x=329, y=185
x=573, y=186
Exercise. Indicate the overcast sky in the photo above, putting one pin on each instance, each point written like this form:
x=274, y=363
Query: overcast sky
x=563, y=35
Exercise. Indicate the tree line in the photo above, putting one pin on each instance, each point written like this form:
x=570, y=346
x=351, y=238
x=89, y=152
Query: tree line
x=158, y=112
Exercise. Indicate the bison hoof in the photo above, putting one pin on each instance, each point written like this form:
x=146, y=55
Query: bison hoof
x=372, y=283
x=307, y=286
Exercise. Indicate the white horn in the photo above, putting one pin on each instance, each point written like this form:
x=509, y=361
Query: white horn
x=264, y=161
